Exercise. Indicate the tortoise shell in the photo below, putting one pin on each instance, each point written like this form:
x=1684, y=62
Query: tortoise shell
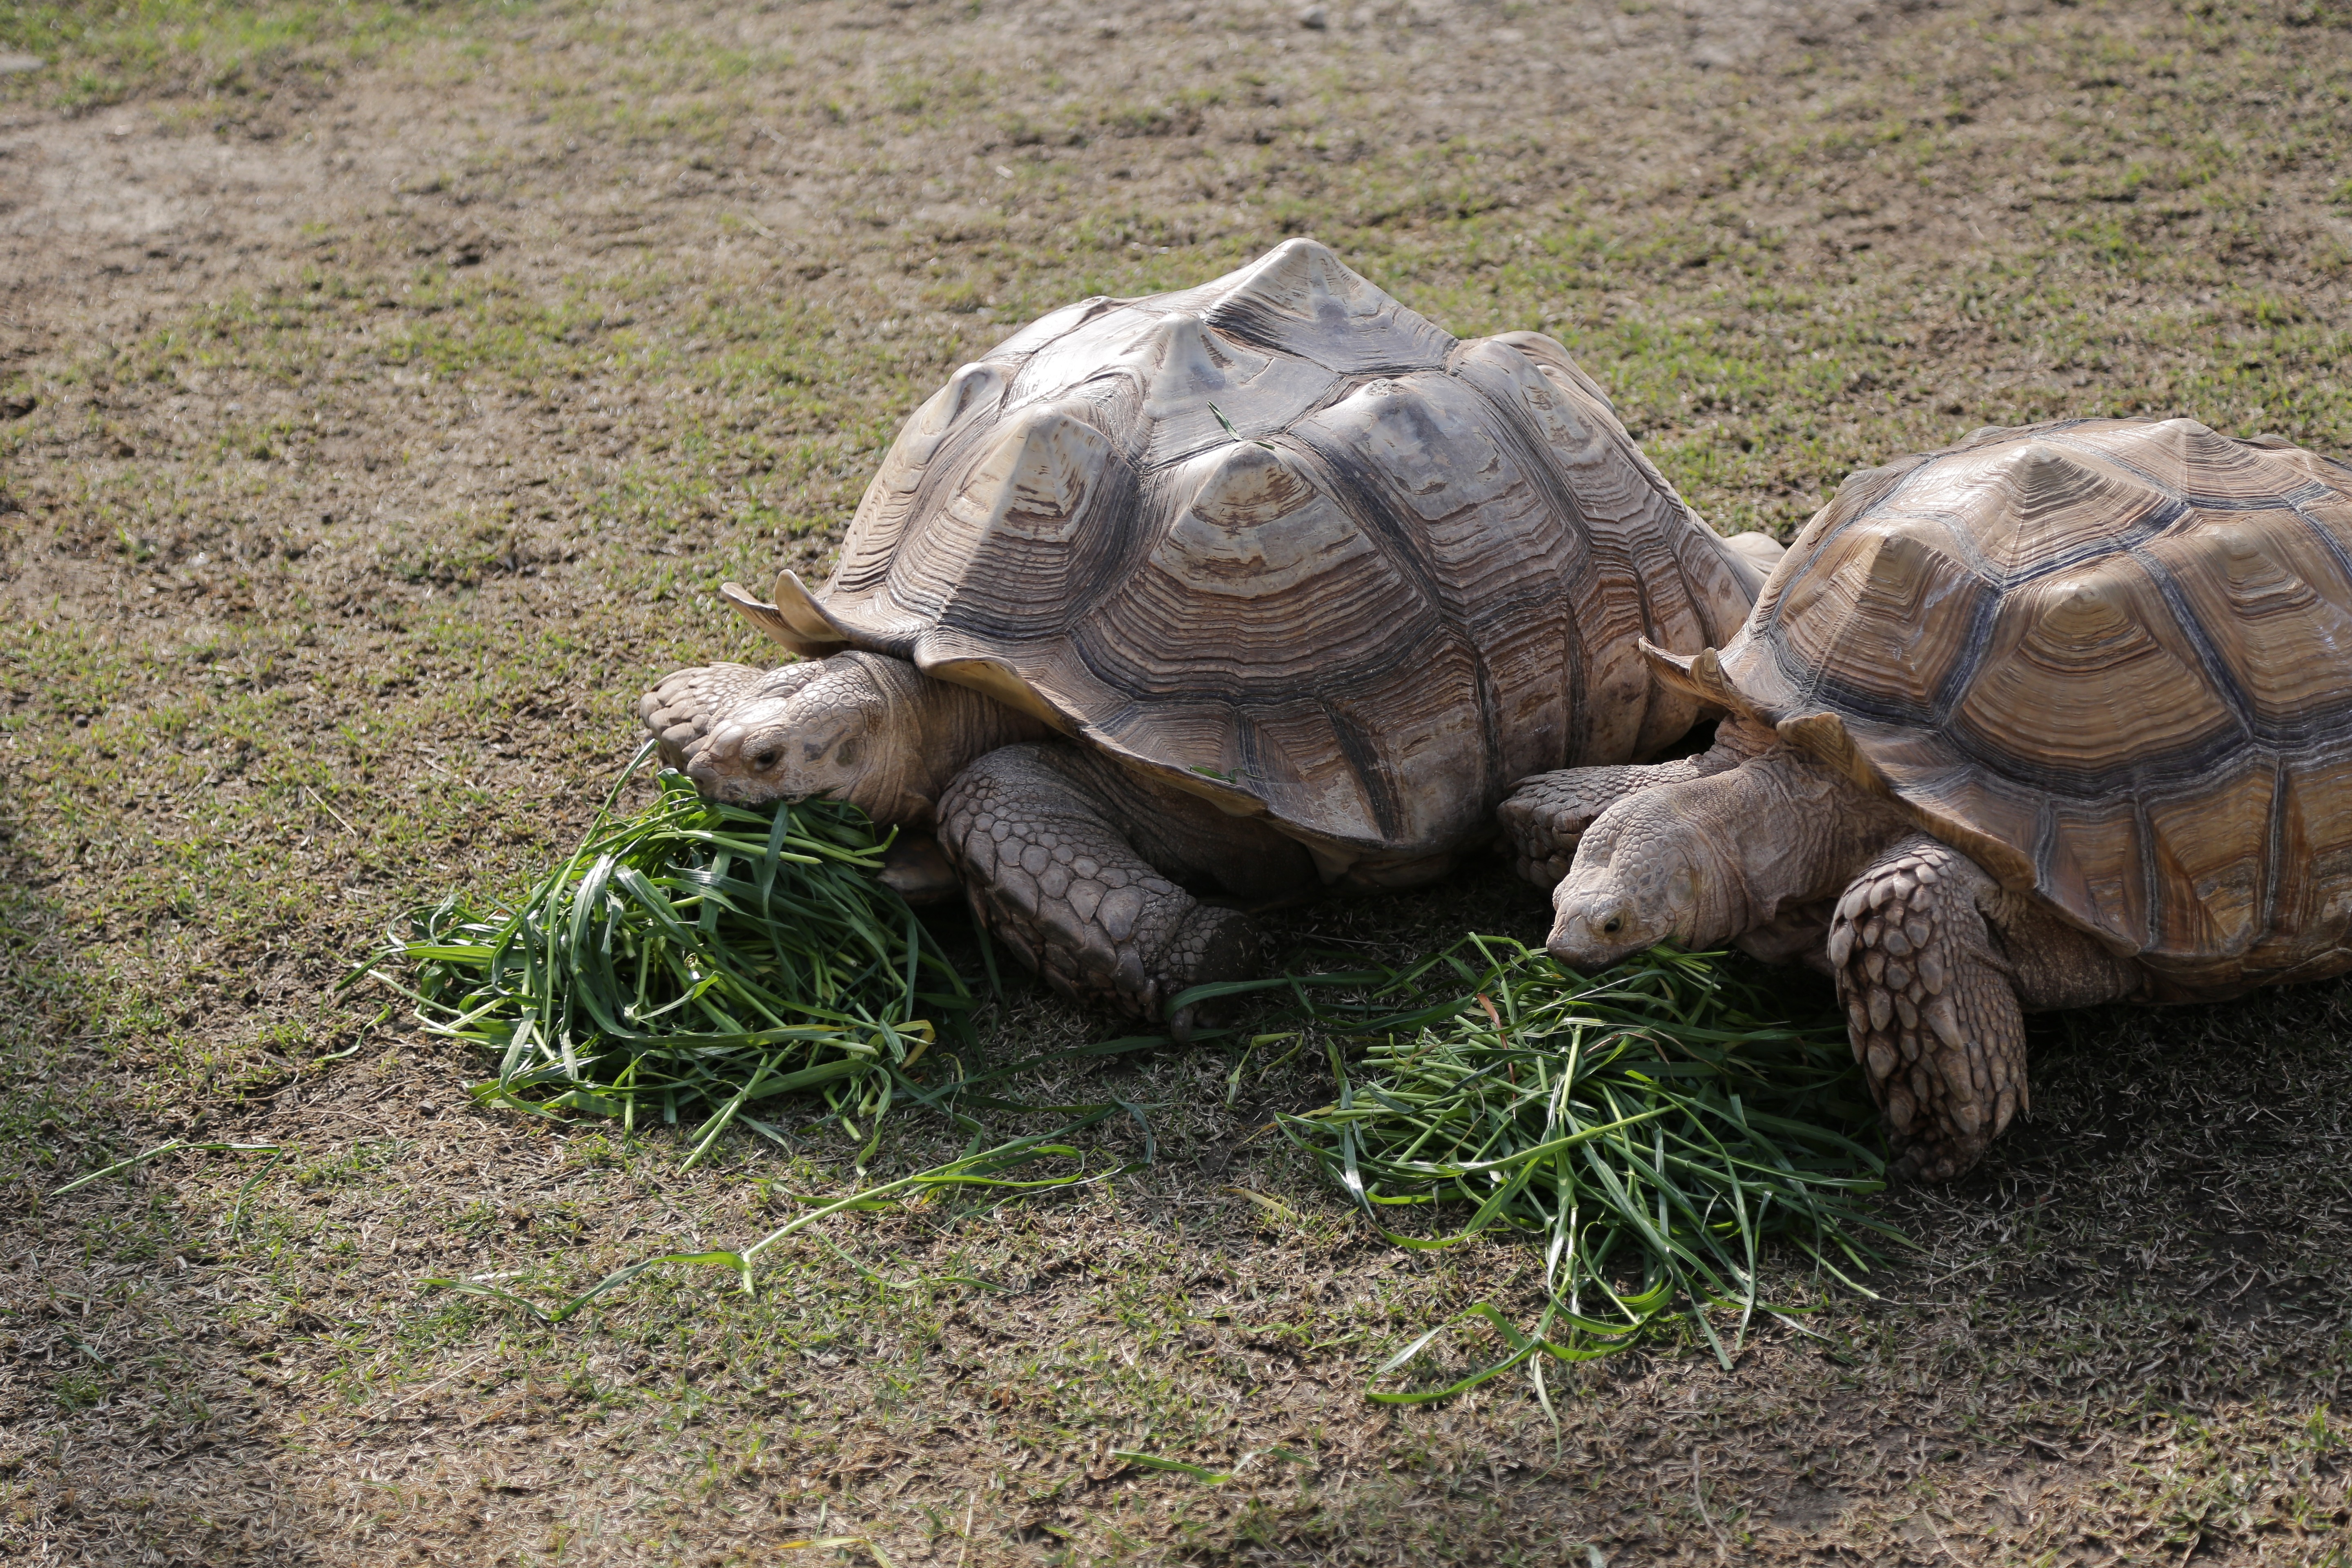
x=2109, y=659
x=1283, y=543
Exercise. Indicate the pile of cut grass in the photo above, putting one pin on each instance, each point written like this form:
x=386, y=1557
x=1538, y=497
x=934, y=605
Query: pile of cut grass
x=1654, y=1127
x=699, y=958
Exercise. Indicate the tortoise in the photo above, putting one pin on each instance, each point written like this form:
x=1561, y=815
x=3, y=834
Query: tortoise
x=2058, y=716
x=1239, y=591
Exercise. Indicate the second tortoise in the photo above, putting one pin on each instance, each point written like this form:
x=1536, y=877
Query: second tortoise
x=2060, y=716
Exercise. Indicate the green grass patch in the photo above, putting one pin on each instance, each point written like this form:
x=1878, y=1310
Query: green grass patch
x=95, y=55
x=1655, y=1128
x=698, y=957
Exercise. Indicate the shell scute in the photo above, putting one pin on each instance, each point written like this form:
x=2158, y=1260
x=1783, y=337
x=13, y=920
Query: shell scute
x=972, y=394
x=2211, y=848
x=2313, y=836
x=1886, y=627
x=1165, y=379
x=2276, y=603
x=2032, y=509
x=1259, y=528
x=2069, y=656
x=1038, y=515
x=1301, y=299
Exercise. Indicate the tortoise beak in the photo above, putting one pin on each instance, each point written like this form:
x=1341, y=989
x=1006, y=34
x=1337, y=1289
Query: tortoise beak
x=715, y=763
x=1592, y=930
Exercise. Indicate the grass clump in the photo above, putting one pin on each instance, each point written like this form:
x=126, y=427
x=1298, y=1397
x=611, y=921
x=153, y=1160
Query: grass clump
x=1652, y=1126
x=696, y=957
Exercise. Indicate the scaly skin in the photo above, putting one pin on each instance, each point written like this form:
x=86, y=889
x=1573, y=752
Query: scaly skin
x=1052, y=874
x=1931, y=1004
x=1547, y=814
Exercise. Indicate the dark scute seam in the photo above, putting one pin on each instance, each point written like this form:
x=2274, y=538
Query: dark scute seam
x=2275, y=840
x=2217, y=670
x=1534, y=457
x=1108, y=505
x=2151, y=885
x=2044, y=849
x=1249, y=766
x=1972, y=653
x=1358, y=488
x=2194, y=761
x=2268, y=501
x=1393, y=662
x=1866, y=702
x=2329, y=541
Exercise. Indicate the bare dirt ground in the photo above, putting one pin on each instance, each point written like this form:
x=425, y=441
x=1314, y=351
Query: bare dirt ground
x=384, y=390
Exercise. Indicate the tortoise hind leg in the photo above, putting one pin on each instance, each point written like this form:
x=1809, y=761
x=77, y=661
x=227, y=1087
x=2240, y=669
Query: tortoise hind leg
x=1933, y=1005
x=1049, y=873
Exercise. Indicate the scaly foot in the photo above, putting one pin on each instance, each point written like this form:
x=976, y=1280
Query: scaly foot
x=1932, y=1006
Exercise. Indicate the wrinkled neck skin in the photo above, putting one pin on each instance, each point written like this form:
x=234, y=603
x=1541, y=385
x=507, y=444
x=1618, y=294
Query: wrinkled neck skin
x=930, y=730
x=1701, y=862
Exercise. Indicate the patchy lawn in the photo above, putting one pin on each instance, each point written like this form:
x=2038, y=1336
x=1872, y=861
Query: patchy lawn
x=384, y=391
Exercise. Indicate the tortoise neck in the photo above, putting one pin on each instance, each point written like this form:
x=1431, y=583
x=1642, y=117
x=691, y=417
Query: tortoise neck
x=936, y=729
x=1787, y=831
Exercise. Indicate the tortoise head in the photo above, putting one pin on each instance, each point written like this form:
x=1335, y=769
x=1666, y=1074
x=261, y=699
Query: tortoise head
x=819, y=728
x=809, y=730
x=1641, y=878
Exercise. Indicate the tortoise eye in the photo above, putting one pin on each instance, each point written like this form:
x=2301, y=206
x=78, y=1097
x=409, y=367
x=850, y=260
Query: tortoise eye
x=765, y=758
x=1612, y=925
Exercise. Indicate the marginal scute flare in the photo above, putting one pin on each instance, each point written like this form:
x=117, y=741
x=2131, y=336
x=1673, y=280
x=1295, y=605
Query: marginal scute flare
x=802, y=611
x=1823, y=736
x=771, y=622
x=1698, y=675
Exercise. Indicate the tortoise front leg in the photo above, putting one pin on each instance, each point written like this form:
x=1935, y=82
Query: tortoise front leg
x=1051, y=876
x=1546, y=816
x=1932, y=1004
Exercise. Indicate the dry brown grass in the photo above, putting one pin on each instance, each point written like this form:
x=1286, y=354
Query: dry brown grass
x=384, y=391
